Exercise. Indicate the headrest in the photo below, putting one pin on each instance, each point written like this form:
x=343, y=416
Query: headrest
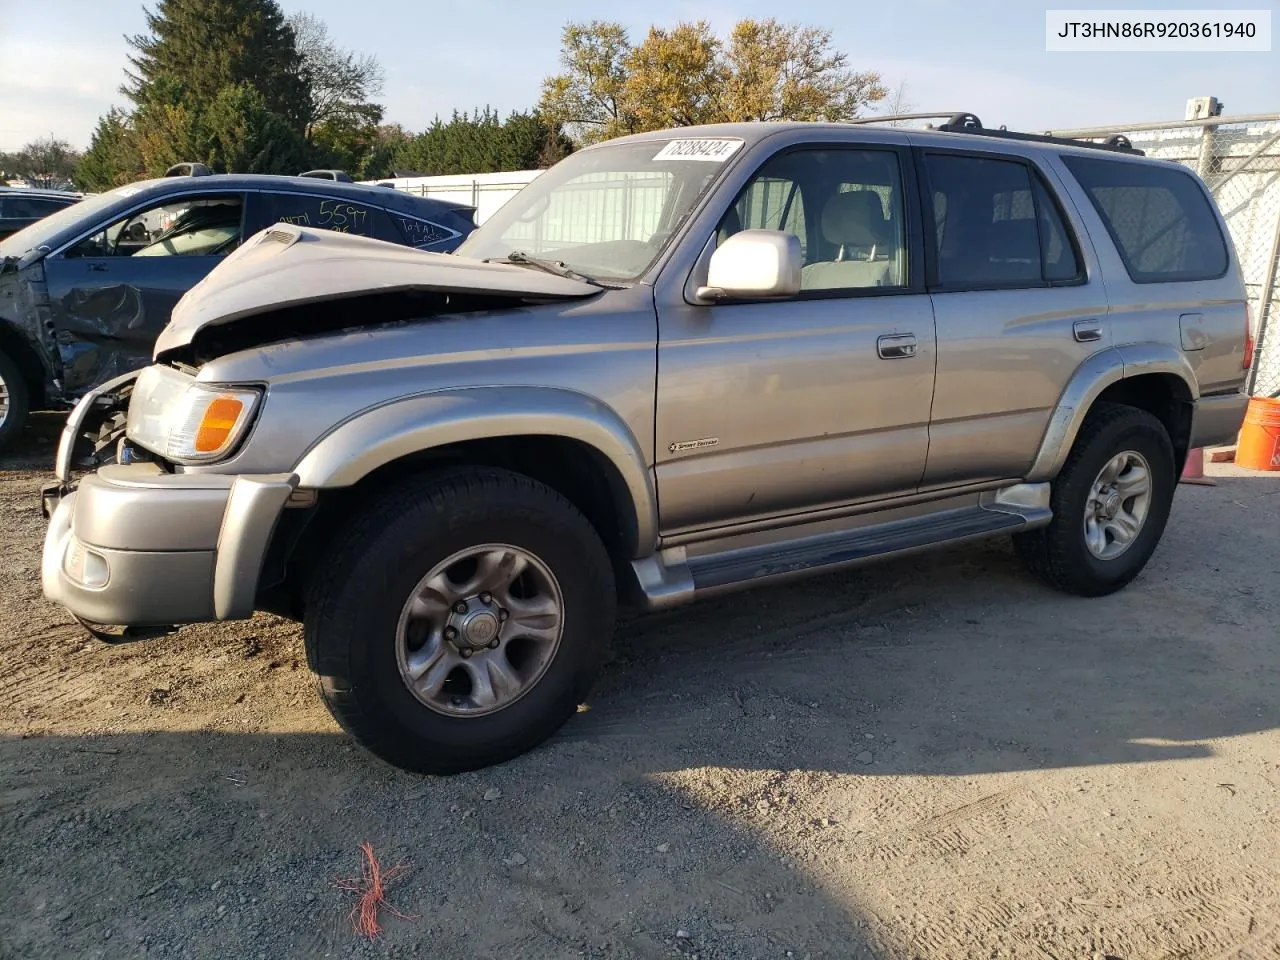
x=854, y=219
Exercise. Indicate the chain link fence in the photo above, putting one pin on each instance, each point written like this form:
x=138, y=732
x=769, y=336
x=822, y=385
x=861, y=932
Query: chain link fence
x=1239, y=160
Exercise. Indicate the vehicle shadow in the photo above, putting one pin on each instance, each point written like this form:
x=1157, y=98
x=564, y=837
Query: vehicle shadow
x=210, y=844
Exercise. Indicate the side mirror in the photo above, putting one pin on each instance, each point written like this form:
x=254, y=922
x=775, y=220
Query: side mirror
x=754, y=264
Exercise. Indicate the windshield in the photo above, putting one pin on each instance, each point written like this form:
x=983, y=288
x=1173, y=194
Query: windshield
x=605, y=212
x=43, y=231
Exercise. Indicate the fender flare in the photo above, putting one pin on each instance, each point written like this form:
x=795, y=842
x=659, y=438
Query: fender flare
x=1091, y=378
x=380, y=435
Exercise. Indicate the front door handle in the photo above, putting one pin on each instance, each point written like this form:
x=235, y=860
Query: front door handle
x=97, y=268
x=1086, y=331
x=896, y=346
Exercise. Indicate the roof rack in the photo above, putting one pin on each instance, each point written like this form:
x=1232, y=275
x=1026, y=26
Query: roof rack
x=969, y=123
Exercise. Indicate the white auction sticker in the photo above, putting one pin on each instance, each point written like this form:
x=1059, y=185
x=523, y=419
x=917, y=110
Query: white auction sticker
x=717, y=151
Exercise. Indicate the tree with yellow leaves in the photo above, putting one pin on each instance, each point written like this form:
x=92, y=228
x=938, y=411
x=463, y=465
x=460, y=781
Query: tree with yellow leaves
x=685, y=75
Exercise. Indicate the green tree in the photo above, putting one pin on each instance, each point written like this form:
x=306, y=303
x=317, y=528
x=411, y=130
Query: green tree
x=676, y=77
x=112, y=159
x=389, y=143
x=242, y=135
x=232, y=84
x=201, y=47
x=483, y=142
x=778, y=71
x=765, y=70
x=588, y=97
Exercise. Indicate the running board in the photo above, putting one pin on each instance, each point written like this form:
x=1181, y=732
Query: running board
x=673, y=577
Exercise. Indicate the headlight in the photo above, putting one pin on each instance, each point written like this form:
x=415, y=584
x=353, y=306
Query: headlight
x=188, y=422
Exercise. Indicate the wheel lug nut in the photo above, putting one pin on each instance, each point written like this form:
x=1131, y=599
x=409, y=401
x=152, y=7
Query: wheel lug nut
x=503, y=614
x=493, y=644
x=486, y=598
x=450, y=633
x=460, y=607
x=466, y=653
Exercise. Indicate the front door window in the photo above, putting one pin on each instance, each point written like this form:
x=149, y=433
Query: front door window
x=189, y=227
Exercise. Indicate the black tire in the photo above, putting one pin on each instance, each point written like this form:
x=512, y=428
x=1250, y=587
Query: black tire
x=1058, y=553
x=19, y=402
x=355, y=598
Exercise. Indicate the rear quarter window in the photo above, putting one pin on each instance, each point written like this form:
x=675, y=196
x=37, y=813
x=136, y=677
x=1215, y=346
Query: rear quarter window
x=1160, y=220
x=420, y=232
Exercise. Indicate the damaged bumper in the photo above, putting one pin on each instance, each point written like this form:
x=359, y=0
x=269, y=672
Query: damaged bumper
x=135, y=546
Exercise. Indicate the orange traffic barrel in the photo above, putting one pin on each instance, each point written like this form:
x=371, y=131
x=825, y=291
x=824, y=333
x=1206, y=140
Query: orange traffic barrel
x=1258, y=447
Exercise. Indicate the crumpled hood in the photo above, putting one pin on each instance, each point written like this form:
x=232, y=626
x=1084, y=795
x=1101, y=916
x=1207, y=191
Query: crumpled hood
x=288, y=265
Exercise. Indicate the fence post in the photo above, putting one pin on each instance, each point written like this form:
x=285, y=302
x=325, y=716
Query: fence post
x=1266, y=301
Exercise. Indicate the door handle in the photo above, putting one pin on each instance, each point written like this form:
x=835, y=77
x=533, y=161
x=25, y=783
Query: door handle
x=1086, y=331
x=97, y=268
x=896, y=346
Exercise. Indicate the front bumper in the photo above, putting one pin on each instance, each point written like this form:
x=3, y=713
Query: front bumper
x=133, y=545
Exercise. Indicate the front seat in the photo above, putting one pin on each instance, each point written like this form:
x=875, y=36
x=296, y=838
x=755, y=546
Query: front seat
x=856, y=224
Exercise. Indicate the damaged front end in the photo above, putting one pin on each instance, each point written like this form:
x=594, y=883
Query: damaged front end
x=291, y=281
x=92, y=436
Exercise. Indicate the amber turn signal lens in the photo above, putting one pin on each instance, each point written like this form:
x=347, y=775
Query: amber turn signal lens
x=217, y=423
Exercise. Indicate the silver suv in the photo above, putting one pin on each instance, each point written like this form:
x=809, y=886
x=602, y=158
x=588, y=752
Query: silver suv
x=676, y=364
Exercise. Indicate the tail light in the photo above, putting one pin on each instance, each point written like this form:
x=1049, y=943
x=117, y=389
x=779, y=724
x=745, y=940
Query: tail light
x=1248, y=336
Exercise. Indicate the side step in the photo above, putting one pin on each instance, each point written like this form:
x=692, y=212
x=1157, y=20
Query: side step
x=673, y=577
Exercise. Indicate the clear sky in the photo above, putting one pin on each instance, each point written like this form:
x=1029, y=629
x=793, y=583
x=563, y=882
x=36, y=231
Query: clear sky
x=61, y=61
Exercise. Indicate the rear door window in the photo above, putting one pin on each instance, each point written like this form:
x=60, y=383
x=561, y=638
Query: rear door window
x=1159, y=219
x=996, y=225
x=325, y=213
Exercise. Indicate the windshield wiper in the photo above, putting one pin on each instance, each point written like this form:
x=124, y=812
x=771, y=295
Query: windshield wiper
x=557, y=267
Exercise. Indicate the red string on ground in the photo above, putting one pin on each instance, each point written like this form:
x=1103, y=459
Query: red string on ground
x=371, y=888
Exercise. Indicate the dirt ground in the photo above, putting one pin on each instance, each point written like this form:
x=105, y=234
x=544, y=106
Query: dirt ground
x=934, y=758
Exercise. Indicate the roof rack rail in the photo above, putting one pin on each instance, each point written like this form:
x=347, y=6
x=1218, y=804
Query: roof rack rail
x=969, y=123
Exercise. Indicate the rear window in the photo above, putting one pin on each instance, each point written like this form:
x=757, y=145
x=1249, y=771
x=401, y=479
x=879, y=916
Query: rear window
x=1160, y=219
x=16, y=207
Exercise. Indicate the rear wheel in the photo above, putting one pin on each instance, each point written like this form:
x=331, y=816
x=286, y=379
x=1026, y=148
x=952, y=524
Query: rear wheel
x=14, y=402
x=1110, y=504
x=460, y=620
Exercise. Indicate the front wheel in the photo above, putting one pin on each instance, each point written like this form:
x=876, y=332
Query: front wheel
x=1110, y=504
x=460, y=620
x=14, y=402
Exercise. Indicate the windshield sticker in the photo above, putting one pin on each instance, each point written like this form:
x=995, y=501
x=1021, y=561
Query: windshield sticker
x=716, y=151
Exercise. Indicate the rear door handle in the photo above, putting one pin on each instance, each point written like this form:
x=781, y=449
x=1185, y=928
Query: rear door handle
x=97, y=268
x=1086, y=331
x=896, y=346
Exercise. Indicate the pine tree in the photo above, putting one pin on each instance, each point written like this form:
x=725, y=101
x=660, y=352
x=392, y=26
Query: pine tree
x=200, y=47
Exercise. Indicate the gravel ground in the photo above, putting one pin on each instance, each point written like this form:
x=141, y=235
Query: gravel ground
x=934, y=758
